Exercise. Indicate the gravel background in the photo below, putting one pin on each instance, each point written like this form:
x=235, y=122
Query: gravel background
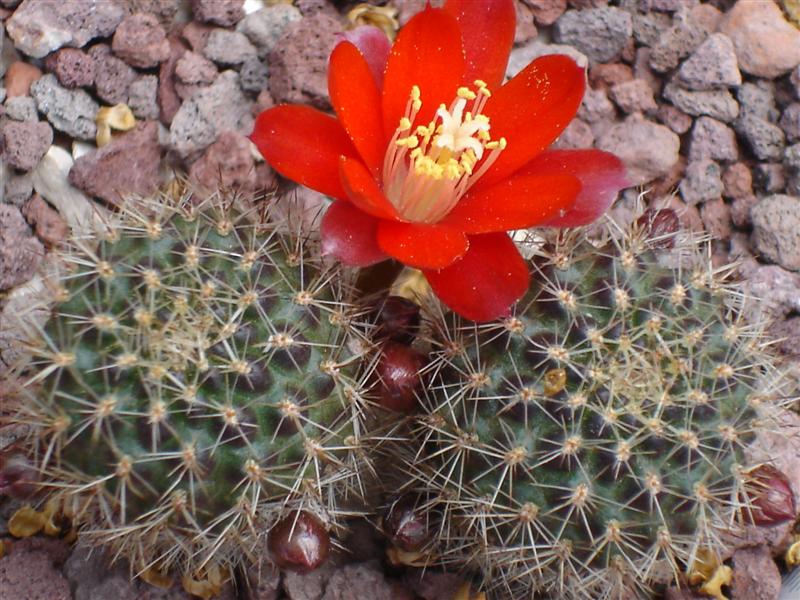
x=700, y=99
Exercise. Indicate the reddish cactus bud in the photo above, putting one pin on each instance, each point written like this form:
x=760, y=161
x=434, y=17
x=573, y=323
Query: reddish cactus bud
x=18, y=478
x=405, y=525
x=398, y=319
x=658, y=226
x=299, y=542
x=399, y=373
x=770, y=497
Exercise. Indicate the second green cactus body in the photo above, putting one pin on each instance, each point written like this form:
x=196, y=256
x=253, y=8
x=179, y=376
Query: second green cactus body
x=593, y=440
x=199, y=378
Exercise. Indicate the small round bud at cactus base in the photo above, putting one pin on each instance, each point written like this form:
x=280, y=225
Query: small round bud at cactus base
x=299, y=542
x=405, y=524
x=398, y=370
x=771, y=500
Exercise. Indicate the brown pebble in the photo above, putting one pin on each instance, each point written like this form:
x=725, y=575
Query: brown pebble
x=19, y=77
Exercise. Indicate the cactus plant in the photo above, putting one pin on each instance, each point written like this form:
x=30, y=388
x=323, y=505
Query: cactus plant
x=593, y=441
x=201, y=377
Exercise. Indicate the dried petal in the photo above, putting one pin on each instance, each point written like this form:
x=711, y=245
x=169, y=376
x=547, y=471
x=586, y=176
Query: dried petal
x=399, y=373
x=770, y=497
x=405, y=525
x=26, y=522
x=299, y=542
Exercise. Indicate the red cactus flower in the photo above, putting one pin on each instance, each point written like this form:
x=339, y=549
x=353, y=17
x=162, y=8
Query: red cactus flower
x=431, y=159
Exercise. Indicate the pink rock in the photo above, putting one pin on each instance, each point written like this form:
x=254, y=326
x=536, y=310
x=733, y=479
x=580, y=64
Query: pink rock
x=196, y=34
x=32, y=576
x=25, y=142
x=299, y=64
x=49, y=226
x=112, y=77
x=168, y=100
x=605, y=75
x=755, y=575
x=19, y=77
x=716, y=217
x=766, y=44
x=227, y=164
x=740, y=211
x=526, y=28
x=546, y=12
x=737, y=181
x=263, y=102
x=633, y=96
x=220, y=12
x=674, y=118
x=73, y=68
x=193, y=68
x=577, y=135
x=648, y=150
x=141, y=41
x=127, y=165
x=20, y=255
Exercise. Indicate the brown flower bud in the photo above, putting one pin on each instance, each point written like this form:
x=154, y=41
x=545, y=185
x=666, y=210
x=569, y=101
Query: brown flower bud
x=399, y=373
x=299, y=542
x=405, y=525
x=770, y=497
x=398, y=319
x=18, y=478
x=658, y=226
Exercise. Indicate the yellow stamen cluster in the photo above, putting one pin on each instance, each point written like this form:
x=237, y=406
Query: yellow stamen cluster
x=428, y=168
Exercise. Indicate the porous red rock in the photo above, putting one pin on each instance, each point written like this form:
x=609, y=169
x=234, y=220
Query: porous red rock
x=546, y=12
x=140, y=41
x=74, y=68
x=31, y=575
x=737, y=181
x=226, y=164
x=129, y=164
x=24, y=143
x=112, y=77
x=20, y=255
x=168, y=100
x=220, y=12
x=299, y=63
x=648, y=150
x=48, y=225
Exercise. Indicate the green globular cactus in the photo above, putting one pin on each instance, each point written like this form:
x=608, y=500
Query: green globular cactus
x=593, y=441
x=200, y=378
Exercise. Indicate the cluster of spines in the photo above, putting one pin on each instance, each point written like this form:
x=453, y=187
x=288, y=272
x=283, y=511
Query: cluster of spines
x=592, y=441
x=203, y=374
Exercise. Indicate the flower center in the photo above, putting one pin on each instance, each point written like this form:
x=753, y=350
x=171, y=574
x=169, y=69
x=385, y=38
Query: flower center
x=428, y=169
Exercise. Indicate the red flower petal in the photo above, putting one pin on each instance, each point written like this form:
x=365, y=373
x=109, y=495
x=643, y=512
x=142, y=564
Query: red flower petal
x=427, y=53
x=531, y=110
x=363, y=190
x=484, y=284
x=487, y=32
x=357, y=102
x=421, y=245
x=374, y=46
x=602, y=176
x=518, y=202
x=304, y=145
x=350, y=235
